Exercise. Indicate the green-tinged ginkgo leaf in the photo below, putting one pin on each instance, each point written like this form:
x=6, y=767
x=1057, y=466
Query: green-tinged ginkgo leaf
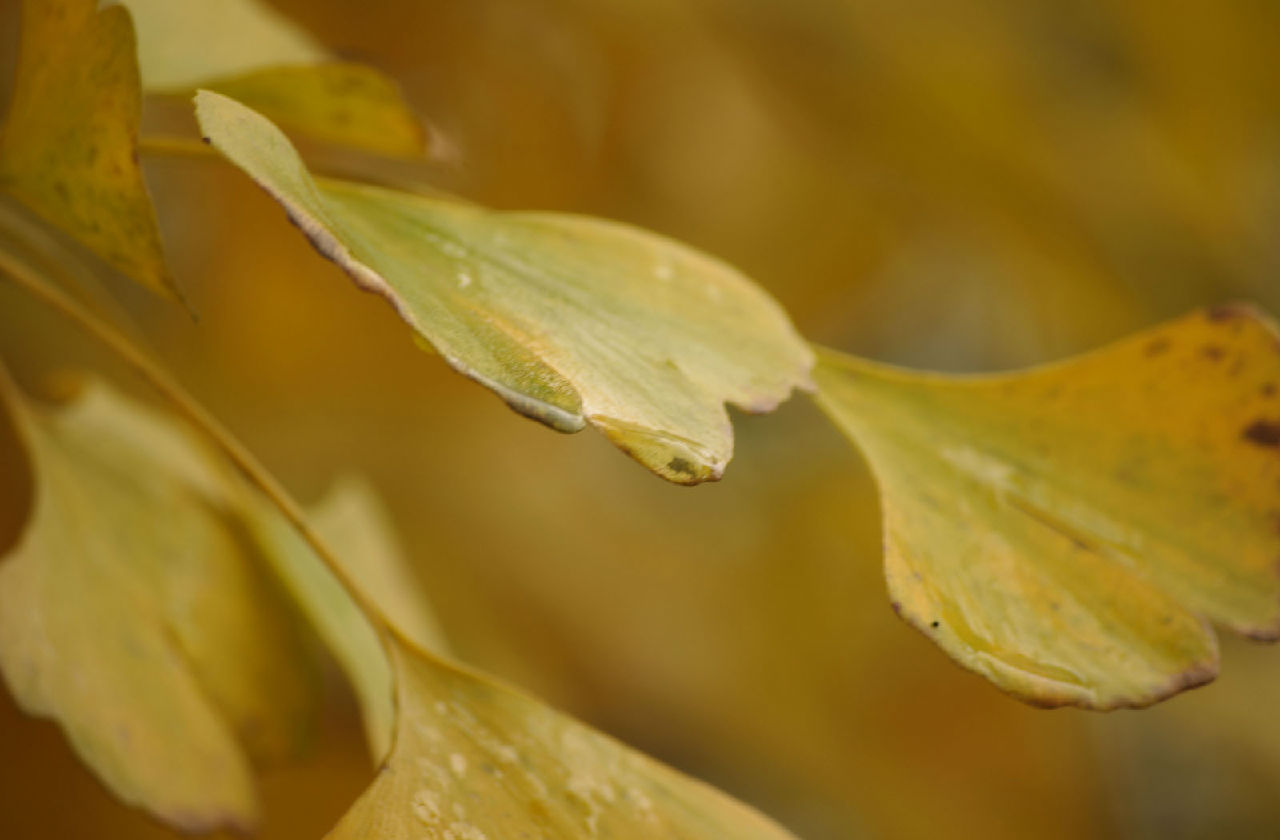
x=476, y=761
x=69, y=146
x=1069, y=532
x=133, y=614
x=569, y=319
x=356, y=528
x=250, y=52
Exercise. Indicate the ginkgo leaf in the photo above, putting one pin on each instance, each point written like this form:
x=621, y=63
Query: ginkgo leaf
x=570, y=319
x=338, y=102
x=132, y=613
x=251, y=53
x=356, y=528
x=69, y=146
x=183, y=43
x=476, y=761
x=1070, y=531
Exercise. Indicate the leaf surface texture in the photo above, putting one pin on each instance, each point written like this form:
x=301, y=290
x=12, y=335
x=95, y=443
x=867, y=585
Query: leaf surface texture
x=1070, y=532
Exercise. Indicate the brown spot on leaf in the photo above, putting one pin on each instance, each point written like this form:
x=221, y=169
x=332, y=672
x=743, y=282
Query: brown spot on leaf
x=1268, y=389
x=1262, y=433
x=1156, y=346
x=681, y=465
x=1212, y=352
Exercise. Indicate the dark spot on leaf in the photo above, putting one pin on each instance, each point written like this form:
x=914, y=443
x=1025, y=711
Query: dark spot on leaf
x=933, y=624
x=206, y=141
x=1262, y=433
x=1156, y=346
x=1212, y=352
x=681, y=465
x=1268, y=389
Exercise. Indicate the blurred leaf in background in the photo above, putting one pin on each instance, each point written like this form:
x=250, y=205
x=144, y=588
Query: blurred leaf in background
x=69, y=148
x=249, y=51
x=136, y=616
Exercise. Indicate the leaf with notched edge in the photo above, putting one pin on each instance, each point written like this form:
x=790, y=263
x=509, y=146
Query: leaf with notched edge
x=570, y=319
x=132, y=612
x=475, y=761
x=1070, y=531
x=69, y=146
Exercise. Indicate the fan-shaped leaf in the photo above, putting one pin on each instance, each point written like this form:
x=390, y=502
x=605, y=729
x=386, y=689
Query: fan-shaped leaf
x=1068, y=532
x=569, y=319
x=69, y=147
x=132, y=613
x=473, y=760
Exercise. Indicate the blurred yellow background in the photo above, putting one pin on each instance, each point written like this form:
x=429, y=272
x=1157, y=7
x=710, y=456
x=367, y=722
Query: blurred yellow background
x=955, y=185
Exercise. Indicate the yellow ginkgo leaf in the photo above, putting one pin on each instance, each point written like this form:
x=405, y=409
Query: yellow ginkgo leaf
x=250, y=52
x=338, y=102
x=68, y=149
x=357, y=530
x=476, y=761
x=183, y=43
x=1069, y=532
x=132, y=614
x=569, y=319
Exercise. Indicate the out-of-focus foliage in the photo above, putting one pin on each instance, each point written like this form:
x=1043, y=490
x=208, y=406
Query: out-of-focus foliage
x=1067, y=531
x=354, y=525
x=569, y=319
x=183, y=44
x=134, y=614
x=250, y=52
x=69, y=144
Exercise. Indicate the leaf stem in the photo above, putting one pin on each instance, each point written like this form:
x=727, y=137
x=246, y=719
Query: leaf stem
x=165, y=144
x=21, y=275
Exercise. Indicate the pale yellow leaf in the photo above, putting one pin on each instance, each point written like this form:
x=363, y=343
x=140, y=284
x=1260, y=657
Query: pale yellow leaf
x=68, y=149
x=476, y=761
x=132, y=614
x=1070, y=531
x=570, y=319
x=184, y=43
x=357, y=529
